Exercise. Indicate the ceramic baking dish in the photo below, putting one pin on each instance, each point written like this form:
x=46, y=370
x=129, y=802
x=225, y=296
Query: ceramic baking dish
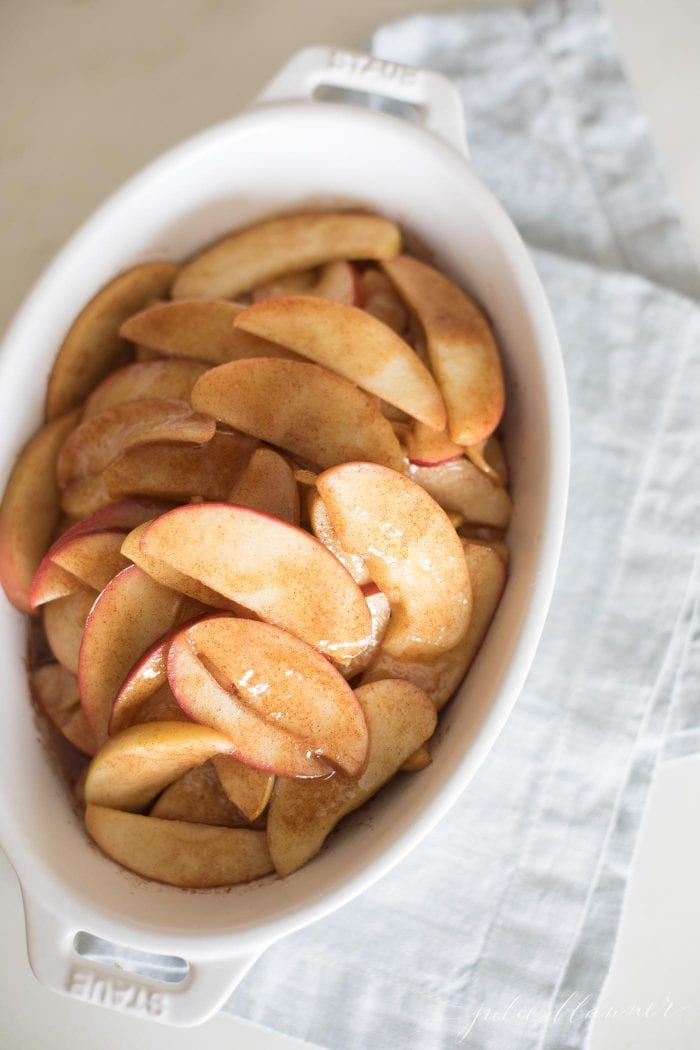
x=290, y=150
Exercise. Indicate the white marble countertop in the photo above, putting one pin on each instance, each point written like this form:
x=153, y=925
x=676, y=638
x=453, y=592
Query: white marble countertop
x=92, y=91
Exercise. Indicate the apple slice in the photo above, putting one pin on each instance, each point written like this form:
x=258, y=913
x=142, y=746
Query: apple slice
x=379, y=298
x=489, y=457
x=463, y=353
x=122, y=515
x=300, y=283
x=246, y=788
x=441, y=677
x=427, y=448
x=93, y=346
x=93, y=558
x=198, y=797
x=159, y=706
x=400, y=718
x=285, y=681
x=164, y=574
x=64, y=622
x=200, y=329
x=380, y=611
x=275, y=570
x=324, y=531
x=302, y=408
x=56, y=690
x=131, y=768
x=148, y=676
x=289, y=243
x=457, y=485
x=420, y=759
x=252, y=740
x=31, y=509
x=140, y=381
x=353, y=343
x=131, y=613
x=339, y=281
x=177, y=472
x=194, y=856
x=51, y=583
x=268, y=485
x=99, y=440
x=412, y=553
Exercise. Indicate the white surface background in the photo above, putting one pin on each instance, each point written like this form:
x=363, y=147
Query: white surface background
x=91, y=92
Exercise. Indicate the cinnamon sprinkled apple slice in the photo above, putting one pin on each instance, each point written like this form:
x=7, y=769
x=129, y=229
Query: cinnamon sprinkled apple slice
x=276, y=570
x=300, y=407
x=286, y=244
x=461, y=347
x=354, y=344
x=411, y=550
x=93, y=346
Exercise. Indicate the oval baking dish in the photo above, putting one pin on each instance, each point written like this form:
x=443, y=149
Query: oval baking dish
x=289, y=151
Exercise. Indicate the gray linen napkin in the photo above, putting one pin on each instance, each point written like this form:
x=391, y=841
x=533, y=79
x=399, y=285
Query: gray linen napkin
x=497, y=933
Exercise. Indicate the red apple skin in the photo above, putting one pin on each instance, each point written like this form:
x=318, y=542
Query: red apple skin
x=31, y=509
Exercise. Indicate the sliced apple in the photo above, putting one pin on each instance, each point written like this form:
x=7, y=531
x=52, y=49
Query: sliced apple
x=198, y=797
x=339, y=281
x=441, y=677
x=131, y=768
x=199, y=329
x=400, y=718
x=93, y=346
x=379, y=298
x=50, y=583
x=489, y=457
x=253, y=740
x=285, y=681
x=56, y=690
x=299, y=283
x=290, y=243
x=412, y=553
x=426, y=447
x=353, y=343
x=177, y=472
x=64, y=622
x=195, y=856
x=420, y=759
x=462, y=350
x=380, y=611
x=324, y=531
x=300, y=407
x=31, y=509
x=164, y=574
x=274, y=569
x=147, y=677
x=123, y=515
x=246, y=788
x=268, y=485
x=131, y=613
x=93, y=558
x=457, y=485
x=159, y=706
x=140, y=381
x=99, y=440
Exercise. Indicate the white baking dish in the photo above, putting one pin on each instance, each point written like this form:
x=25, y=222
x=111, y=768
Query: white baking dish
x=289, y=150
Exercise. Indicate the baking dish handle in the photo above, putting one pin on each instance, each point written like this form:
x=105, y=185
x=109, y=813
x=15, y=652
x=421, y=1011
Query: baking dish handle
x=204, y=987
x=435, y=99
